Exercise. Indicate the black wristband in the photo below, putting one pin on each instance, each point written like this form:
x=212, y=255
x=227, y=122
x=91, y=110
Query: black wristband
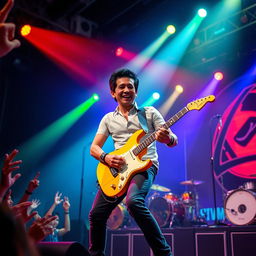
x=27, y=192
x=102, y=157
x=171, y=141
x=66, y=212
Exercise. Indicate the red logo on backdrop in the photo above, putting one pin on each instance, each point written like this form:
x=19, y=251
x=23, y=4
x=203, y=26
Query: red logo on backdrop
x=234, y=143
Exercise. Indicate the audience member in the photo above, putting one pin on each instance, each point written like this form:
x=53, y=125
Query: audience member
x=7, y=31
x=33, y=184
x=8, y=168
x=59, y=232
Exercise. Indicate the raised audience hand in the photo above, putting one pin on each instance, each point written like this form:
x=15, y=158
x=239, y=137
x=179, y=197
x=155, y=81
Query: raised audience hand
x=57, y=198
x=21, y=210
x=35, y=203
x=66, y=204
x=9, y=166
x=40, y=228
x=7, y=31
x=33, y=184
x=7, y=200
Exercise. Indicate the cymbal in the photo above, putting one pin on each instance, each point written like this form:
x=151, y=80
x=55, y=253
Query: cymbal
x=191, y=182
x=160, y=188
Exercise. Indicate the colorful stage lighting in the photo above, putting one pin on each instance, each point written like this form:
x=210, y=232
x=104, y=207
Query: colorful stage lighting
x=171, y=29
x=179, y=88
x=119, y=51
x=202, y=13
x=95, y=96
x=151, y=100
x=25, y=30
x=156, y=96
x=218, y=76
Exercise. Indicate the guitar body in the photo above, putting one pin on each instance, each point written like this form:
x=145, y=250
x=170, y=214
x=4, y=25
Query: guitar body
x=113, y=182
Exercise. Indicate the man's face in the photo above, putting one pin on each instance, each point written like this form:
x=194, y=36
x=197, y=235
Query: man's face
x=125, y=92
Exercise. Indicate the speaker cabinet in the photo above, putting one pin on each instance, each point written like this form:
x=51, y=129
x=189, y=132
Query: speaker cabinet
x=211, y=244
x=243, y=243
x=133, y=243
x=120, y=244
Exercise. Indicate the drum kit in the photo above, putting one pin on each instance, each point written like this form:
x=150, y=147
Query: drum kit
x=171, y=210
x=240, y=204
x=168, y=209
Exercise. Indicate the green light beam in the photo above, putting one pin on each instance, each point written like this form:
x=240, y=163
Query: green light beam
x=34, y=149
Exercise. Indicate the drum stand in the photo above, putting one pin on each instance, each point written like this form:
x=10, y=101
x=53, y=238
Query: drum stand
x=196, y=204
x=196, y=215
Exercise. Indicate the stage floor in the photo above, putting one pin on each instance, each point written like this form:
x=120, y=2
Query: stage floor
x=188, y=241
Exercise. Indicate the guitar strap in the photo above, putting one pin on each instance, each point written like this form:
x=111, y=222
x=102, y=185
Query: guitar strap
x=143, y=119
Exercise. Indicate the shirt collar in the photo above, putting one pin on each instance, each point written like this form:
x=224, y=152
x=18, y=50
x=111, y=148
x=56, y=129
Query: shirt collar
x=132, y=110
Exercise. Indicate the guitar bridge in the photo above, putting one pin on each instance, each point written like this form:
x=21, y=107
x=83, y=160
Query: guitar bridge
x=114, y=171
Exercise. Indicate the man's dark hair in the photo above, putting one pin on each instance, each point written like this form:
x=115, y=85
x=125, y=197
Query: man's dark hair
x=123, y=73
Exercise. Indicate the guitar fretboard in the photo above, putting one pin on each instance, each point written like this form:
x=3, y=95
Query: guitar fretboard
x=150, y=139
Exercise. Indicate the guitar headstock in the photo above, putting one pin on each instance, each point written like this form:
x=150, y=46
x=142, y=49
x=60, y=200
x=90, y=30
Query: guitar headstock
x=200, y=103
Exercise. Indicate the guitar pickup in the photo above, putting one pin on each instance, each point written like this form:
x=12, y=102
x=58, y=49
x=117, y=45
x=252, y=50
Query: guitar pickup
x=114, y=171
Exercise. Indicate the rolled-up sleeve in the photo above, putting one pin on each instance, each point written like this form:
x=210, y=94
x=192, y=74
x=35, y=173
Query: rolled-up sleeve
x=103, y=126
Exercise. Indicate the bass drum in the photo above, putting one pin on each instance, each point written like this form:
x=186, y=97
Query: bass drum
x=165, y=210
x=119, y=218
x=240, y=207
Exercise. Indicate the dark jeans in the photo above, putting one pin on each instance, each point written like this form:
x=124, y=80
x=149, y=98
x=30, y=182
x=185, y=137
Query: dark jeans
x=135, y=203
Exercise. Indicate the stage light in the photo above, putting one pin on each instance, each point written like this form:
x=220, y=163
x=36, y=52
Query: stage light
x=151, y=100
x=166, y=106
x=171, y=29
x=218, y=76
x=119, y=51
x=179, y=88
x=202, y=13
x=95, y=96
x=25, y=30
x=156, y=96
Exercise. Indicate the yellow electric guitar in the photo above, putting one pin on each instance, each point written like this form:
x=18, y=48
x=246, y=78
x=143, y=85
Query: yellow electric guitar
x=114, y=182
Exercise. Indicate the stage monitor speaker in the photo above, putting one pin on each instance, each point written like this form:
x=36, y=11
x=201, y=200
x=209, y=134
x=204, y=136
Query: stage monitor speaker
x=211, y=244
x=139, y=245
x=62, y=249
x=243, y=243
x=120, y=244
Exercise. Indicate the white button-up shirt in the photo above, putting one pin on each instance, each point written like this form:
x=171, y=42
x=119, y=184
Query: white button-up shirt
x=121, y=129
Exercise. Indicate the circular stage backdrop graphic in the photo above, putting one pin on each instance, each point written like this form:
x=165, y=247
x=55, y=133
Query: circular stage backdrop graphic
x=234, y=143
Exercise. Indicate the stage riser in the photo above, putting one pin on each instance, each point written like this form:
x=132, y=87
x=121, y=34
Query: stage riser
x=217, y=241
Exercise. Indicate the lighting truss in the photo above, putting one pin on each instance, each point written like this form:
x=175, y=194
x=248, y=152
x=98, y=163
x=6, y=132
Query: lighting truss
x=227, y=26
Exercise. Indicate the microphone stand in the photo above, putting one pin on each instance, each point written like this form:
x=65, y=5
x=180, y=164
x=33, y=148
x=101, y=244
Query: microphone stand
x=81, y=197
x=216, y=221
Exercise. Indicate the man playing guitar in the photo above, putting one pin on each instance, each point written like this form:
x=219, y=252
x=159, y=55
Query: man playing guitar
x=133, y=182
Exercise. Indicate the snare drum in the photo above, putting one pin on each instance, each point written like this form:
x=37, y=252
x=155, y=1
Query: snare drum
x=240, y=207
x=118, y=218
x=164, y=210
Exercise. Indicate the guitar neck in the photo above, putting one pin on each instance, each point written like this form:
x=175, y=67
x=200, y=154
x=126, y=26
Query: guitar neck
x=150, y=139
